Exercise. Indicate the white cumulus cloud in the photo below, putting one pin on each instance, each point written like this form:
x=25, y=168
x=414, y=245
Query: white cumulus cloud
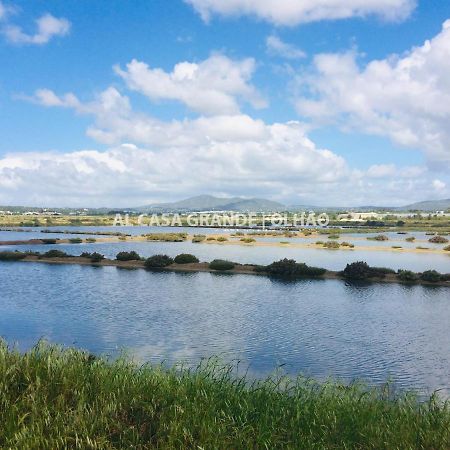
x=209, y=87
x=48, y=27
x=406, y=98
x=294, y=12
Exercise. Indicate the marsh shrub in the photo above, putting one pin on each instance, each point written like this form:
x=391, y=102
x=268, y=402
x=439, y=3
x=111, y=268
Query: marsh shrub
x=331, y=245
x=221, y=264
x=55, y=254
x=48, y=241
x=91, y=240
x=198, y=238
x=333, y=236
x=186, y=258
x=289, y=268
x=94, y=257
x=407, y=275
x=380, y=237
x=222, y=239
x=75, y=240
x=248, y=240
x=128, y=256
x=211, y=238
x=167, y=237
x=158, y=261
x=410, y=239
x=12, y=256
x=360, y=270
x=447, y=249
x=431, y=275
x=438, y=240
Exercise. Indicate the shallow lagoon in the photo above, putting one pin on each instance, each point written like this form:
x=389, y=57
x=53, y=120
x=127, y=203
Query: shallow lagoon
x=319, y=328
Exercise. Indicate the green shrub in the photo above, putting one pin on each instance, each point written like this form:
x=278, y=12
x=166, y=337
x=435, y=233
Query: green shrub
x=55, y=254
x=431, y=276
x=380, y=237
x=333, y=236
x=247, y=240
x=331, y=245
x=383, y=270
x=210, y=238
x=284, y=242
x=167, y=237
x=397, y=246
x=447, y=249
x=186, y=258
x=75, y=240
x=220, y=264
x=360, y=270
x=289, y=268
x=319, y=242
x=122, y=238
x=422, y=248
x=94, y=257
x=12, y=256
x=438, y=240
x=407, y=276
x=91, y=240
x=49, y=241
x=198, y=238
x=222, y=239
x=410, y=239
x=128, y=256
x=158, y=261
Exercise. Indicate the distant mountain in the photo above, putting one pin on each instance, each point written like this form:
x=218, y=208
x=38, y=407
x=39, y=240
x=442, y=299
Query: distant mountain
x=429, y=205
x=211, y=203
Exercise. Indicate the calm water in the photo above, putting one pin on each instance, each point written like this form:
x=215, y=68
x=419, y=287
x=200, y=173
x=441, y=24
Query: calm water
x=319, y=328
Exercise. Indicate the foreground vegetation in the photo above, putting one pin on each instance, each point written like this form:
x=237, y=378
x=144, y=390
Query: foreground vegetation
x=53, y=398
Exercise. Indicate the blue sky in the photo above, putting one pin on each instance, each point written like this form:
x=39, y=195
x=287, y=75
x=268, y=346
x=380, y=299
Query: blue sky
x=342, y=104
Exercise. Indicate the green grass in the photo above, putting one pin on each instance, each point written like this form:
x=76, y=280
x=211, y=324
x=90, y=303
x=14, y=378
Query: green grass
x=52, y=398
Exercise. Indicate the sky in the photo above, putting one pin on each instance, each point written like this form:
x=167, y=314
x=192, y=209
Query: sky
x=315, y=102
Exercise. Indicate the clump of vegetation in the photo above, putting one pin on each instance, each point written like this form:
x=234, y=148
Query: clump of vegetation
x=290, y=234
x=122, y=238
x=221, y=264
x=222, y=239
x=284, y=242
x=93, y=402
x=49, y=241
x=306, y=232
x=289, y=268
x=166, y=237
x=247, y=240
x=333, y=236
x=185, y=258
x=210, y=238
x=407, y=276
x=198, y=238
x=238, y=233
x=94, y=257
x=410, y=239
x=422, y=248
x=397, y=246
x=360, y=270
x=347, y=244
x=438, y=240
x=331, y=245
x=91, y=240
x=158, y=261
x=432, y=276
x=128, y=256
x=380, y=237
x=319, y=242
x=447, y=249
x=12, y=256
x=75, y=240
x=55, y=254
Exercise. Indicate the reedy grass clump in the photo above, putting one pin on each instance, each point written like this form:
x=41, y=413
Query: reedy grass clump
x=54, y=398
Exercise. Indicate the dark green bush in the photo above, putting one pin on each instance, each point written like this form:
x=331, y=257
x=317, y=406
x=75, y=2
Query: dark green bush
x=75, y=240
x=186, y=258
x=55, y=254
x=431, y=276
x=407, y=276
x=91, y=240
x=48, y=241
x=220, y=264
x=94, y=257
x=158, y=261
x=359, y=270
x=12, y=256
x=438, y=240
x=128, y=256
x=289, y=268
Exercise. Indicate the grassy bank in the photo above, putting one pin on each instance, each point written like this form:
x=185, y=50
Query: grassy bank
x=52, y=398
